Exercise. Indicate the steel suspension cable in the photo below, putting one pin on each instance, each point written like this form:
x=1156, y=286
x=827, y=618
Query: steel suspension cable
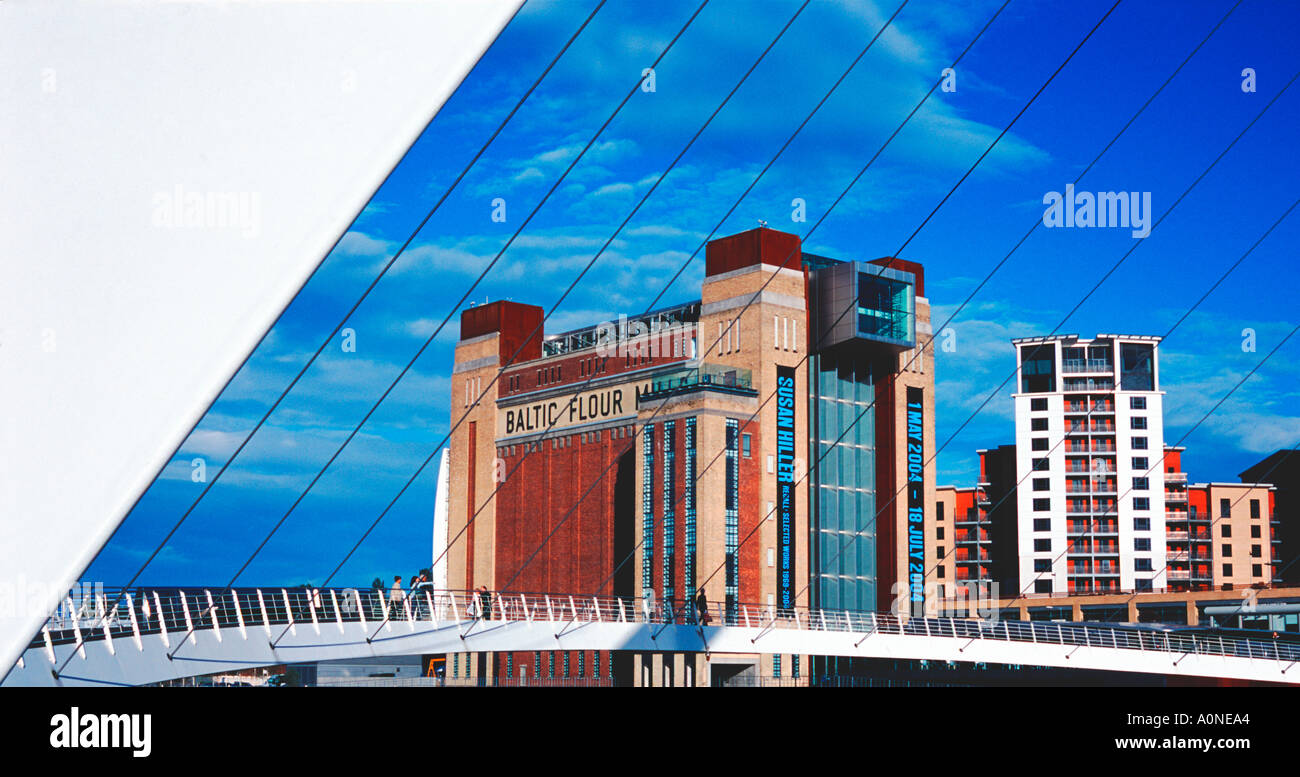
x=703, y=243
x=1088, y=295
x=393, y=384
x=786, y=261
x=364, y=295
x=1166, y=335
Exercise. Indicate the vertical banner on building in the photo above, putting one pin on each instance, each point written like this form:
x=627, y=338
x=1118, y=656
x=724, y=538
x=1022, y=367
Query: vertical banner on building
x=785, y=486
x=916, y=498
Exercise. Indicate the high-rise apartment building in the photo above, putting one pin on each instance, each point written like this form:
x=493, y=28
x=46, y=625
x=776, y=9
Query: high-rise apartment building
x=1090, y=502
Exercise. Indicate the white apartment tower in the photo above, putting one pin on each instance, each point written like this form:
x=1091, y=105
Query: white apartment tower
x=1090, y=504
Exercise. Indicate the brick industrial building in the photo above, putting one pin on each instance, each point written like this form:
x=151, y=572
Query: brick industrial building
x=628, y=444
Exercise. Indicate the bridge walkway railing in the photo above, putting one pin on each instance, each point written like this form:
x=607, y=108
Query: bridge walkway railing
x=176, y=612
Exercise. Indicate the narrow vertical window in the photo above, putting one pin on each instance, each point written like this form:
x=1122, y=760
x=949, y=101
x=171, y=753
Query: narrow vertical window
x=688, y=509
x=669, y=515
x=647, y=506
x=732, y=507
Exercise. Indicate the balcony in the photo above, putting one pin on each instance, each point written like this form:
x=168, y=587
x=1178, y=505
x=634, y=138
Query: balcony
x=1093, y=569
x=1177, y=536
x=1076, y=366
x=1088, y=384
x=1175, y=477
x=1076, y=528
x=710, y=377
x=1178, y=574
x=1086, y=548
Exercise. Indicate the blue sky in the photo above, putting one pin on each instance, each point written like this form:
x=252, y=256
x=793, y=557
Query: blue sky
x=1113, y=74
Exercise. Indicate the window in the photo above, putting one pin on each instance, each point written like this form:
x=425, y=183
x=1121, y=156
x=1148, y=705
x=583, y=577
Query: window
x=1226, y=550
x=941, y=570
x=1042, y=524
x=1142, y=543
x=1137, y=403
x=1256, y=551
x=938, y=512
x=1142, y=585
x=1226, y=531
x=1254, y=508
x=1137, y=422
x=1254, y=532
x=1141, y=484
x=1042, y=484
x=1038, y=424
x=731, y=504
x=1141, y=503
x=1141, y=524
x=1038, y=404
x=647, y=507
x=1040, y=465
x=744, y=445
x=1042, y=586
x=1140, y=462
x=1227, y=570
x=938, y=551
x=1042, y=546
x=1256, y=570
x=938, y=533
x=1142, y=564
x=1137, y=367
x=1042, y=565
x=1139, y=443
x=1038, y=444
x=1041, y=505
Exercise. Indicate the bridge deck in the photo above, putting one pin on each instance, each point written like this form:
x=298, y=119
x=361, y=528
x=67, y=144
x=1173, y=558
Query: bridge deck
x=161, y=634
